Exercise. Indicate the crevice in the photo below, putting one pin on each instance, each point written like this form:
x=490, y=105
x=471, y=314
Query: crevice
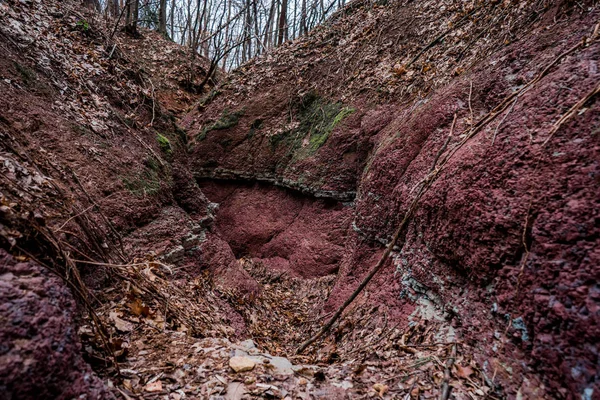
x=281, y=227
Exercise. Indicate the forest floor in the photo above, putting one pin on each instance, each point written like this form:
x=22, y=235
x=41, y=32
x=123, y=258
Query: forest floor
x=364, y=357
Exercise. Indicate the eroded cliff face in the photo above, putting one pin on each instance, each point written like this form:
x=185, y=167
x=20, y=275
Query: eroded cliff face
x=301, y=165
x=283, y=229
x=504, y=245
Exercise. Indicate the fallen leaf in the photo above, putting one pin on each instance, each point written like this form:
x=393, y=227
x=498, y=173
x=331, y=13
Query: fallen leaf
x=235, y=391
x=380, y=388
x=138, y=308
x=155, y=386
x=120, y=324
x=463, y=372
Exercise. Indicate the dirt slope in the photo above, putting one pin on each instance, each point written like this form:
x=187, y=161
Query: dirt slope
x=93, y=173
x=504, y=246
x=292, y=174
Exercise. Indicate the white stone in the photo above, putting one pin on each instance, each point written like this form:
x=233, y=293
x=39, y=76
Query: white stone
x=241, y=364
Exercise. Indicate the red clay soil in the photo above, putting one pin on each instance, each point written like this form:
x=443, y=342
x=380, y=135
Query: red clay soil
x=41, y=353
x=281, y=228
x=317, y=149
x=505, y=242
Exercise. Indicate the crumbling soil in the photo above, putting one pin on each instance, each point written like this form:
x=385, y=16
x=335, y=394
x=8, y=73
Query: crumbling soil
x=260, y=214
x=282, y=228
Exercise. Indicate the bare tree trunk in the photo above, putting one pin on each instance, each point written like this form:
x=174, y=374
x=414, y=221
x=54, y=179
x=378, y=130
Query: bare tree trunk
x=256, y=30
x=247, y=45
x=95, y=4
x=303, y=27
x=282, y=29
x=127, y=13
x=172, y=19
x=162, y=17
x=205, y=28
x=269, y=26
x=131, y=16
x=224, y=65
x=112, y=6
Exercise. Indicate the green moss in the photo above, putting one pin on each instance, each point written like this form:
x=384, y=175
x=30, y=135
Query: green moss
x=317, y=118
x=147, y=182
x=164, y=144
x=83, y=25
x=319, y=136
x=226, y=121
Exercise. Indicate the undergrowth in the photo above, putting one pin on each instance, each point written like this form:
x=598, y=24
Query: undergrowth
x=316, y=120
x=226, y=121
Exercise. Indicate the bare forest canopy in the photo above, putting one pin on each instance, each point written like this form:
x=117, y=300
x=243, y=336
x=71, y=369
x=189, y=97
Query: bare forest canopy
x=228, y=32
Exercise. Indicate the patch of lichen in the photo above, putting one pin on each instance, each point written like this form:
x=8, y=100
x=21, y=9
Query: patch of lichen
x=316, y=118
x=164, y=144
x=226, y=121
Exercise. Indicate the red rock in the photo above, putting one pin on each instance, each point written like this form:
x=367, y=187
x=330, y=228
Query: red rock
x=41, y=354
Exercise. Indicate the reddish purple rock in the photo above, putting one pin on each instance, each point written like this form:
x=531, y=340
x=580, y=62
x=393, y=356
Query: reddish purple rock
x=40, y=353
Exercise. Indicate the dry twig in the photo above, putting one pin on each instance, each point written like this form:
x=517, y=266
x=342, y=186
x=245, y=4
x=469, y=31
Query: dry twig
x=446, y=388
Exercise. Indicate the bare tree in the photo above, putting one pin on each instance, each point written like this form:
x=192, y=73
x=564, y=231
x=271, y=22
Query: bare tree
x=131, y=16
x=282, y=28
x=162, y=17
x=95, y=4
x=232, y=30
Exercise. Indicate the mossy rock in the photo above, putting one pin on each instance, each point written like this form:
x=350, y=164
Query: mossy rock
x=317, y=118
x=226, y=121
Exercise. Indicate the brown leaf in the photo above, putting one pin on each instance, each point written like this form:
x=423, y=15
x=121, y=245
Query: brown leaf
x=155, y=386
x=463, y=372
x=139, y=309
x=235, y=391
x=380, y=388
x=120, y=324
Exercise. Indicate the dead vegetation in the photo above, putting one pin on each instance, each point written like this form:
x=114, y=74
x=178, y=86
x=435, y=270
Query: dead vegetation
x=166, y=345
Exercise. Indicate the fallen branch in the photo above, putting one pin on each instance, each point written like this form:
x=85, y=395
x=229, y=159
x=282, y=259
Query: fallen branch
x=104, y=217
x=176, y=303
x=572, y=111
x=446, y=388
x=153, y=102
x=502, y=120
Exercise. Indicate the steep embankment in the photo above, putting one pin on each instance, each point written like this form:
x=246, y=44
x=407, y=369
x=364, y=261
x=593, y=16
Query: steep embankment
x=314, y=153
x=93, y=174
x=504, y=245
